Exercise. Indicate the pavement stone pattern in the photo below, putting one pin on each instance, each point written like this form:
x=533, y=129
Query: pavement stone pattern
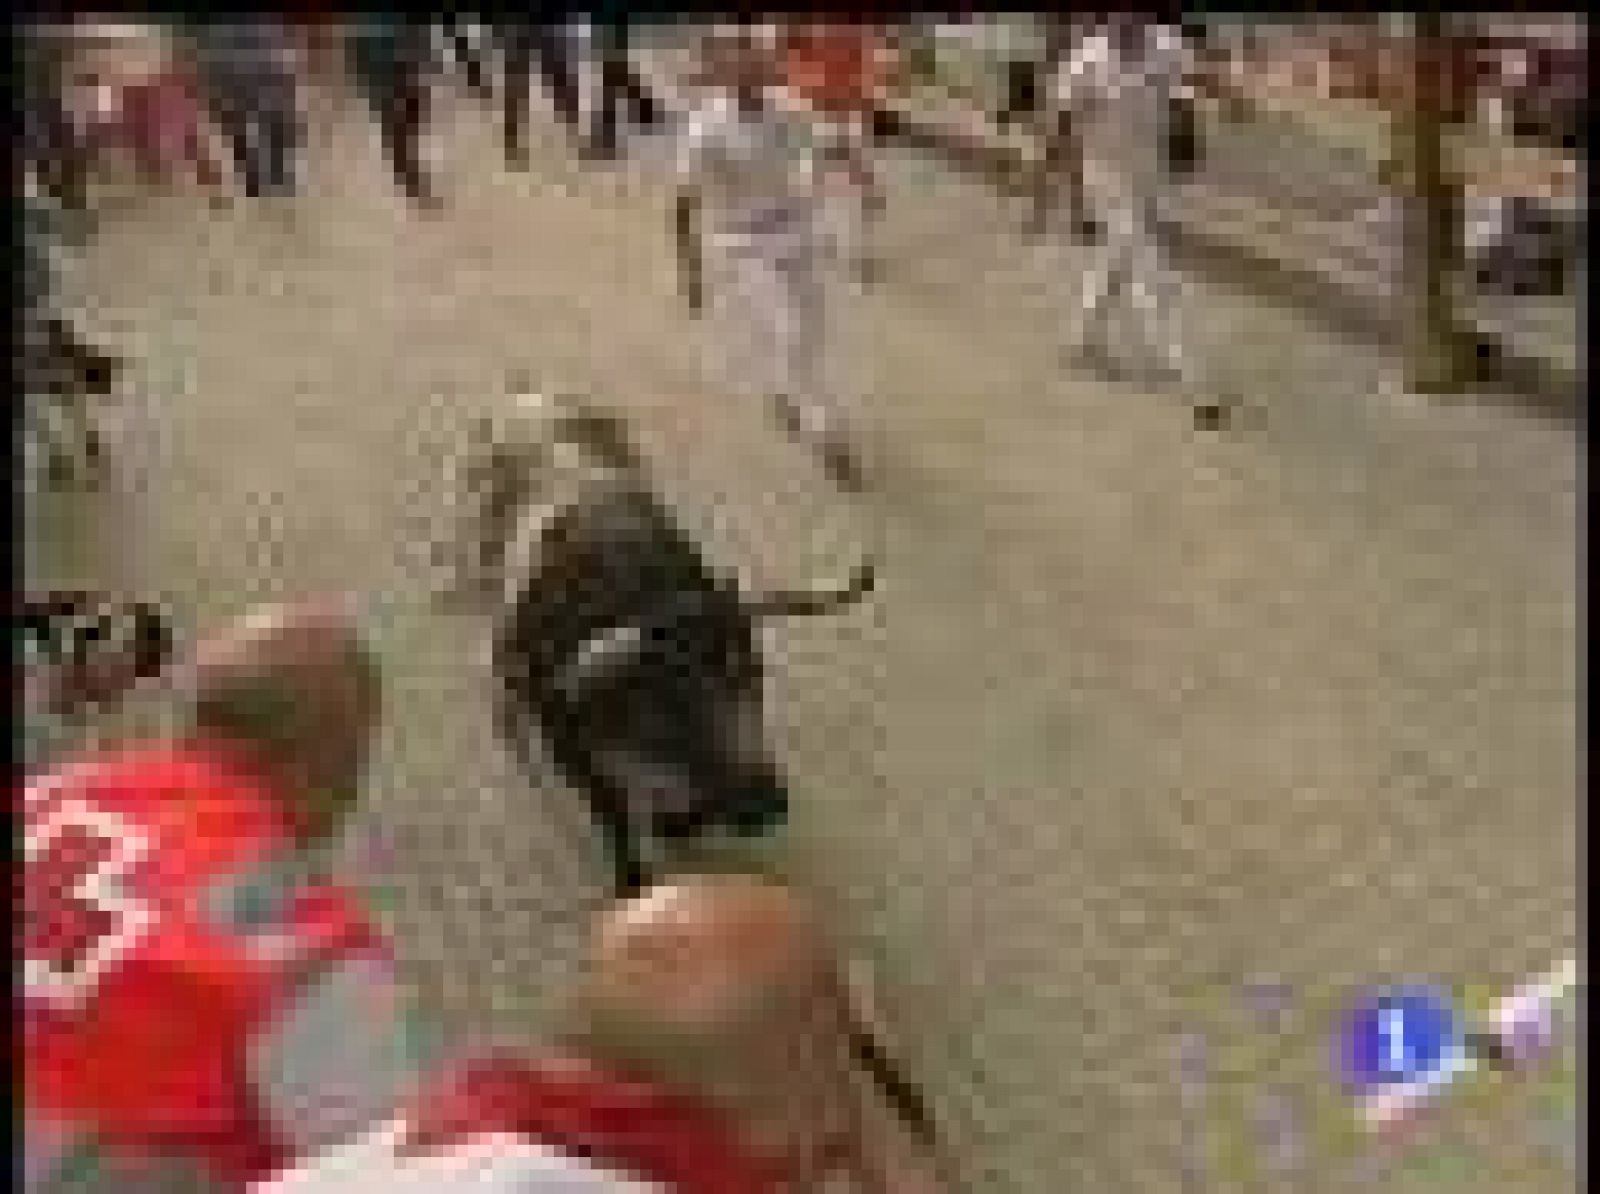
x=1140, y=714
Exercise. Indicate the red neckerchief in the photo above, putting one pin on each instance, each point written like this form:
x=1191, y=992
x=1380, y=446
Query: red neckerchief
x=634, y=1127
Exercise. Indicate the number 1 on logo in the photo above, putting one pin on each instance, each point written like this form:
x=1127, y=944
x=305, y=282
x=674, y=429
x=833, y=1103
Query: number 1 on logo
x=1392, y=1031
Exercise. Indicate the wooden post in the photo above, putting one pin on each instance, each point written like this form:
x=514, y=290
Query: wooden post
x=1441, y=356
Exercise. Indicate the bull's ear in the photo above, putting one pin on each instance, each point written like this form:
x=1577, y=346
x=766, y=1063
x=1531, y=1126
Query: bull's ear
x=604, y=656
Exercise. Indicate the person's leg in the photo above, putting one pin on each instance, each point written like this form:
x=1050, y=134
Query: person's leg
x=556, y=70
x=800, y=336
x=1057, y=181
x=858, y=162
x=1158, y=291
x=280, y=131
x=50, y=144
x=602, y=139
x=743, y=286
x=392, y=80
x=231, y=111
x=181, y=134
x=619, y=83
x=1154, y=293
x=642, y=103
x=1104, y=273
x=516, y=35
x=404, y=120
x=468, y=56
x=192, y=130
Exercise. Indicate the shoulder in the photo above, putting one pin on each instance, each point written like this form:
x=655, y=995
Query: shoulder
x=215, y=799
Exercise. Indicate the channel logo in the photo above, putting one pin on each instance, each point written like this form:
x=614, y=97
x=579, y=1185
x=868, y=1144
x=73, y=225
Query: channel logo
x=1399, y=1047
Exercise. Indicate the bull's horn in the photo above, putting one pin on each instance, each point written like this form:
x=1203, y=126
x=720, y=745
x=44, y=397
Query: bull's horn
x=820, y=601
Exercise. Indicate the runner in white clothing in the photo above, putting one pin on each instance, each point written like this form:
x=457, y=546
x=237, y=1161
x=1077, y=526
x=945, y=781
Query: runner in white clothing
x=749, y=198
x=1118, y=92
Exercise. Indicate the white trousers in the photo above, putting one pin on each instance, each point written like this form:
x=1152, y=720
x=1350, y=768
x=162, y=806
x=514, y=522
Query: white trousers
x=770, y=305
x=1128, y=257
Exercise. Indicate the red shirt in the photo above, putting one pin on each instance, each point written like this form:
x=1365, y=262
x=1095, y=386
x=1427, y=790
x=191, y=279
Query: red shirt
x=143, y=990
x=835, y=68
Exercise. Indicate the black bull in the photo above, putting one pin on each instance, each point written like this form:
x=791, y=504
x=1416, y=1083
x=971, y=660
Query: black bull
x=639, y=666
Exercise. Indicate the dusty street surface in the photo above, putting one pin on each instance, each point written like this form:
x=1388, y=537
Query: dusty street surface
x=1141, y=712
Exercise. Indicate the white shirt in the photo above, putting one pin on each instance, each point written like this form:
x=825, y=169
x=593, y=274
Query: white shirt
x=1119, y=107
x=754, y=170
x=496, y=1164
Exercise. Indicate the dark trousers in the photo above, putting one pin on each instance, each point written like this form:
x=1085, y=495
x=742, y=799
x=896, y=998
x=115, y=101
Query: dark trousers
x=391, y=74
x=52, y=146
x=261, y=121
x=468, y=55
x=529, y=44
x=619, y=83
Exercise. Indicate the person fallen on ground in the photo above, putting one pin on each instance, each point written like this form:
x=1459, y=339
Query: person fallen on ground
x=747, y=221
x=178, y=903
x=709, y=1050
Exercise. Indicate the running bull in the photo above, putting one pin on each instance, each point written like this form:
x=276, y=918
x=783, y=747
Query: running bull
x=614, y=640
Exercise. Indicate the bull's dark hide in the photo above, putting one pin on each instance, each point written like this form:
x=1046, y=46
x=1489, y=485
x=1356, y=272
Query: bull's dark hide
x=620, y=562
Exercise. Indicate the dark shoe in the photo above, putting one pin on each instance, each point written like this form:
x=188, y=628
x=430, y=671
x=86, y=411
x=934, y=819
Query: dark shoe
x=1094, y=358
x=788, y=415
x=843, y=467
x=1213, y=414
x=1086, y=231
x=427, y=201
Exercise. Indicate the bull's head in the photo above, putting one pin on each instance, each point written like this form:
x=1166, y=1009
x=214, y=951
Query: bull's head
x=521, y=461
x=672, y=706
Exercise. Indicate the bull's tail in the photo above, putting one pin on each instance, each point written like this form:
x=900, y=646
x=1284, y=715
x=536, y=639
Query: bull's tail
x=810, y=603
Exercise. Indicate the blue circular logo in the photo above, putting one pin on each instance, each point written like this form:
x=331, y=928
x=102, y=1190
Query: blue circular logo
x=1397, y=1036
